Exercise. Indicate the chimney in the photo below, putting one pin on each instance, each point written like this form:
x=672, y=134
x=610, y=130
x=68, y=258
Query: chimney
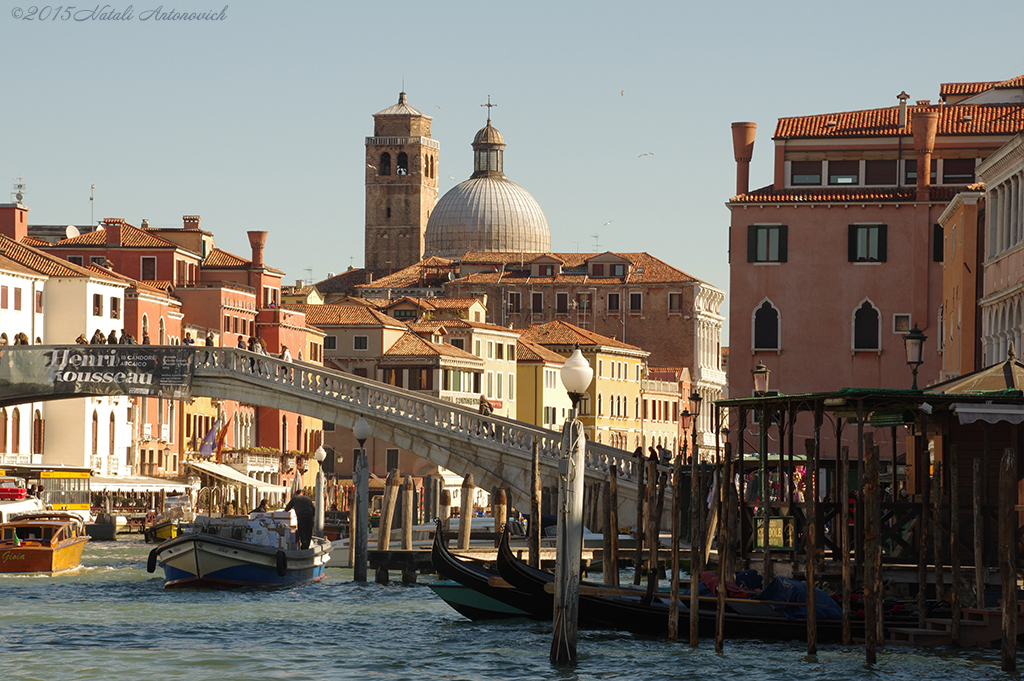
x=743, y=151
x=190, y=222
x=112, y=228
x=257, y=240
x=903, y=97
x=145, y=223
x=14, y=220
x=299, y=283
x=926, y=124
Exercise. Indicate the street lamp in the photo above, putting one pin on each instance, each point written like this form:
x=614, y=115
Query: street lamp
x=761, y=379
x=761, y=390
x=914, y=344
x=697, y=508
x=576, y=376
x=320, y=455
x=359, y=527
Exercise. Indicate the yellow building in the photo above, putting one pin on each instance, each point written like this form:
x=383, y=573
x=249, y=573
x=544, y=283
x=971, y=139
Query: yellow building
x=611, y=410
x=543, y=400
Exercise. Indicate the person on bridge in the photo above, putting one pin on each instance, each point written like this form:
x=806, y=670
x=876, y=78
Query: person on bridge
x=209, y=339
x=304, y=512
x=112, y=338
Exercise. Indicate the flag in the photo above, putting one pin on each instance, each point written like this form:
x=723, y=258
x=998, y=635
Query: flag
x=17, y=542
x=209, y=442
x=221, y=436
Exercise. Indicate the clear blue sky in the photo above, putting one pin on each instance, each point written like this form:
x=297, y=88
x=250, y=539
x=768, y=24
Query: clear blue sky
x=258, y=121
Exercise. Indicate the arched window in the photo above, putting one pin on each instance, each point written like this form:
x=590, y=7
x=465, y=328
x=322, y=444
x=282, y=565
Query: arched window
x=95, y=433
x=37, y=433
x=866, y=328
x=298, y=434
x=284, y=434
x=599, y=404
x=3, y=431
x=113, y=430
x=385, y=164
x=766, y=327
x=15, y=431
x=163, y=332
x=403, y=164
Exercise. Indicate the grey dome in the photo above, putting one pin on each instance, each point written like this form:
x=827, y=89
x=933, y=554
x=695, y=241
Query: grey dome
x=487, y=214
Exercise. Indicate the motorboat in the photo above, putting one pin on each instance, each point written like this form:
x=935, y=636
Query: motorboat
x=41, y=541
x=256, y=550
x=167, y=525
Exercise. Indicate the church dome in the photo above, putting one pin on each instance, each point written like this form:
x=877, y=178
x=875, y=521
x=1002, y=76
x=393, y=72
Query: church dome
x=488, y=212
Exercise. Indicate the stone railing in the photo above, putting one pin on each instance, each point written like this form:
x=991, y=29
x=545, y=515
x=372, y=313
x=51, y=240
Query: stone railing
x=421, y=411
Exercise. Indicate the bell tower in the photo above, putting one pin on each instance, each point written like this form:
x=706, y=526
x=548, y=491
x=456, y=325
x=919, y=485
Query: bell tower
x=401, y=187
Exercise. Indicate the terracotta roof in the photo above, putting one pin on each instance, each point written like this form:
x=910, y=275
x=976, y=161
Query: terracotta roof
x=345, y=315
x=419, y=274
x=411, y=345
x=466, y=324
x=224, y=260
x=840, y=195
x=434, y=303
x=34, y=242
x=646, y=269
x=44, y=263
x=345, y=282
x=528, y=351
x=9, y=265
x=559, y=332
x=981, y=119
x=946, y=89
x=131, y=237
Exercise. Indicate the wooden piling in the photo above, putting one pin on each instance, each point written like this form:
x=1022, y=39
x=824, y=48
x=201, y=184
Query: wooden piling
x=727, y=501
x=638, y=559
x=1008, y=498
x=607, y=566
x=408, y=496
x=499, y=511
x=936, y=533
x=694, y=549
x=444, y=509
x=387, y=514
x=466, y=511
x=979, y=530
x=954, y=542
x=871, y=548
x=673, y=605
x=613, y=522
x=811, y=500
x=922, y=559
x=650, y=528
x=533, y=533
x=845, y=539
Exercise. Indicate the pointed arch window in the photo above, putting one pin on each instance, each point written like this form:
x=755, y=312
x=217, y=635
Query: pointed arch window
x=113, y=431
x=3, y=431
x=403, y=164
x=766, y=327
x=384, y=167
x=95, y=433
x=15, y=431
x=284, y=434
x=866, y=328
x=37, y=433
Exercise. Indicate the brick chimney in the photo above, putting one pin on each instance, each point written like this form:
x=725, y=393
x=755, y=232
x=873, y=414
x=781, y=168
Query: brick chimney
x=257, y=240
x=190, y=222
x=902, y=120
x=112, y=229
x=743, y=151
x=925, y=124
x=14, y=220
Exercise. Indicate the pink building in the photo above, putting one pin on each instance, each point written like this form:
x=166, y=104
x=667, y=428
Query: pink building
x=841, y=255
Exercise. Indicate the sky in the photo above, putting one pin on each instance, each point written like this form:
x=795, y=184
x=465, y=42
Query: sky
x=616, y=115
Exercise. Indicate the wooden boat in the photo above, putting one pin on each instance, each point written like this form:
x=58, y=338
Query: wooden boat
x=167, y=525
x=625, y=609
x=474, y=588
x=46, y=541
x=258, y=550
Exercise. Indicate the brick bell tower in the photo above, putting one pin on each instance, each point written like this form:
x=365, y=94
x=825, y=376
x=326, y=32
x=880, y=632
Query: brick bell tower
x=401, y=187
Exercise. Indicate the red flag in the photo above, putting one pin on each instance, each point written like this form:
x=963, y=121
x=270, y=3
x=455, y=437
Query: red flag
x=222, y=435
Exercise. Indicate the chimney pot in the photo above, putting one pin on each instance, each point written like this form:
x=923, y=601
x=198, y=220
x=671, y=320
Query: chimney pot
x=257, y=240
x=743, y=150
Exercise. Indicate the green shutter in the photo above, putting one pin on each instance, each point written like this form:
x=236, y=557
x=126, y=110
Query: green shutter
x=851, y=246
x=883, y=242
x=783, y=242
x=751, y=243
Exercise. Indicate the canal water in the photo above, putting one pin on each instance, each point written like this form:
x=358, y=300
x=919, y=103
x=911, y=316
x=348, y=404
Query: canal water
x=112, y=620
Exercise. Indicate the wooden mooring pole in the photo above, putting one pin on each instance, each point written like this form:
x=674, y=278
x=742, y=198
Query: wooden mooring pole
x=694, y=549
x=1008, y=555
x=466, y=511
x=811, y=497
x=499, y=511
x=845, y=538
x=673, y=605
x=533, y=531
x=726, y=501
x=871, y=548
x=387, y=514
x=638, y=559
x=444, y=510
x=611, y=558
x=979, y=532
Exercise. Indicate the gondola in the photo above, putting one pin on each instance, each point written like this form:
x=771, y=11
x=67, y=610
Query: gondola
x=482, y=594
x=618, y=609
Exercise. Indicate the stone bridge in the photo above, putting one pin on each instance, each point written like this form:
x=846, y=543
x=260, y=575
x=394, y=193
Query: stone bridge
x=496, y=450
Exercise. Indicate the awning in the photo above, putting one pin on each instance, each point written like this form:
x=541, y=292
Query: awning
x=136, y=483
x=989, y=413
x=228, y=473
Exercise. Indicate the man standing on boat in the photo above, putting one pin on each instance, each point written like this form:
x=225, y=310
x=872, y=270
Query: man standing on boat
x=304, y=513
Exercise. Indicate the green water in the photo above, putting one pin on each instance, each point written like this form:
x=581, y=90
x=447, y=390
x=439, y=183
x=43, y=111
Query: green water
x=112, y=620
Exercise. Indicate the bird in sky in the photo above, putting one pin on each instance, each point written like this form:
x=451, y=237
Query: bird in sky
x=622, y=93
x=647, y=153
x=438, y=106
x=450, y=177
x=607, y=223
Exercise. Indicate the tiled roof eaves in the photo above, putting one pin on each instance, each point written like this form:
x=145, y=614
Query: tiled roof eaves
x=939, y=194
x=954, y=120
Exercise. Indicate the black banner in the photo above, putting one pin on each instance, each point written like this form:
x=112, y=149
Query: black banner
x=144, y=370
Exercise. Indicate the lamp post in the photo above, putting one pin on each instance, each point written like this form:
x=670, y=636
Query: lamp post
x=761, y=390
x=696, y=550
x=576, y=376
x=360, y=521
x=913, y=342
x=320, y=455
